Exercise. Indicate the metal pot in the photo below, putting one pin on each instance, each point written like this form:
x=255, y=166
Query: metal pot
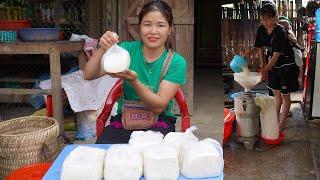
x=247, y=116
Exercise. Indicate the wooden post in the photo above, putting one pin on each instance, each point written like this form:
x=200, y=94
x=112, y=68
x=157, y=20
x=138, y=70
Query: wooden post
x=55, y=74
x=82, y=60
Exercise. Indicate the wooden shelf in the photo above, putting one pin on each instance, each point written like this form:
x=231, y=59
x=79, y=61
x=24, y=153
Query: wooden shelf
x=17, y=79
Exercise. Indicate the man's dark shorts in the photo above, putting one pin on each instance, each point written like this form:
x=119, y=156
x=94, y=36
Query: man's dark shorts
x=284, y=79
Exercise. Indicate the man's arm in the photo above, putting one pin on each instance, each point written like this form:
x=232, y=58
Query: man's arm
x=262, y=57
x=273, y=61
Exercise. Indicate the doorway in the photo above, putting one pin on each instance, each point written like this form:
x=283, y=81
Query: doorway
x=207, y=34
x=208, y=83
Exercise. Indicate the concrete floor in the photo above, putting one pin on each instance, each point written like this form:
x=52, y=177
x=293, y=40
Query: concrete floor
x=293, y=159
x=208, y=104
x=290, y=160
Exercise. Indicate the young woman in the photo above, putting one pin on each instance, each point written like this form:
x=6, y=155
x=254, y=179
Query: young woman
x=280, y=64
x=141, y=80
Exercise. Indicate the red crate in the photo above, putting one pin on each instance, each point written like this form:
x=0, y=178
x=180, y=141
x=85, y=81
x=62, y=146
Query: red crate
x=14, y=25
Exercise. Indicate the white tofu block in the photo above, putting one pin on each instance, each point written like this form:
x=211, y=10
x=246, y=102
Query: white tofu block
x=160, y=162
x=122, y=162
x=83, y=163
x=142, y=139
x=146, y=134
x=177, y=139
x=202, y=159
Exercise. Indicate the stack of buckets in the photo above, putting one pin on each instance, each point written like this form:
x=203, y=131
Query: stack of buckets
x=317, y=30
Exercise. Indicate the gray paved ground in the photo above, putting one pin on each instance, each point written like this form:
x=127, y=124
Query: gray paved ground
x=290, y=160
x=208, y=104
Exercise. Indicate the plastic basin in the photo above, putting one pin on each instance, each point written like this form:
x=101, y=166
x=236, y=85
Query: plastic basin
x=39, y=34
x=34, y=172
x=274, y=141
x=229, y=117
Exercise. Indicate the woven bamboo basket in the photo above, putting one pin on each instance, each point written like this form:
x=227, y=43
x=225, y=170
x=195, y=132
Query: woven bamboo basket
x=27, y=140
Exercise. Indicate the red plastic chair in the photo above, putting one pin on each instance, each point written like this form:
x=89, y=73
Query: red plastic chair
x=115, y=94
x=29, y=172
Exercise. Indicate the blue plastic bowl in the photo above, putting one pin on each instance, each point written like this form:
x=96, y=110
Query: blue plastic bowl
x=39, y=34
x=237, y=63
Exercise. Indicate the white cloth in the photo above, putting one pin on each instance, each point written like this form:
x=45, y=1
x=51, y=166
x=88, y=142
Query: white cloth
x=89, y=46
x=268, y=116
x=83, y=94
x=297, y=56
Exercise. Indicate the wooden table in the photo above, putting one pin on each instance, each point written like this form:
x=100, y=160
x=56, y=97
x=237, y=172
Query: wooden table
x=53, y=49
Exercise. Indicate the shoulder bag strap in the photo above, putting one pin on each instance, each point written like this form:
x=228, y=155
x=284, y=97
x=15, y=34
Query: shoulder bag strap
x=166, y=64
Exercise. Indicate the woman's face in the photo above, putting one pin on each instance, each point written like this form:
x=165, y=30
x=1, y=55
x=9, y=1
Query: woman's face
x=154, y=29
x=268, y=22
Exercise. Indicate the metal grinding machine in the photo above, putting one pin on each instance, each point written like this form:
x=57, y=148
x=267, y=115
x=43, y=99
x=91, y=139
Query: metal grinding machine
x=247, y=112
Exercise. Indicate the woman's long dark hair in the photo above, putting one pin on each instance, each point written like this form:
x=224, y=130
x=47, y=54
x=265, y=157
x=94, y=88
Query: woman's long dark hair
x=165, y=9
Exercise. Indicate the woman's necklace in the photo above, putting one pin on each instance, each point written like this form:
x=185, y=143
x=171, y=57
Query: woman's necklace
x=150, y=66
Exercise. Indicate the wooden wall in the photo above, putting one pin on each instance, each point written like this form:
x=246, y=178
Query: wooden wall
x=238, y=35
